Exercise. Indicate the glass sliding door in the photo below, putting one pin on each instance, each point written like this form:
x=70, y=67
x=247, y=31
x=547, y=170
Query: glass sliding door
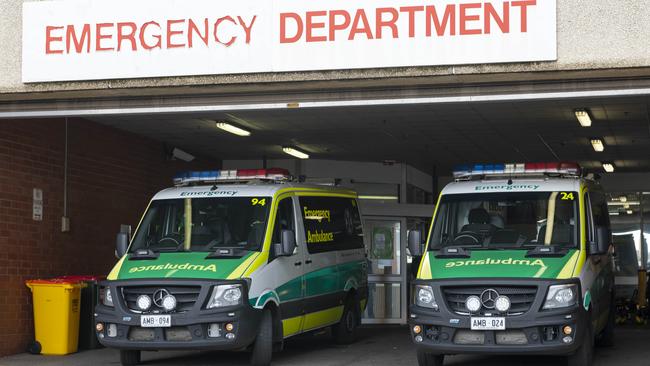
x=385, y=244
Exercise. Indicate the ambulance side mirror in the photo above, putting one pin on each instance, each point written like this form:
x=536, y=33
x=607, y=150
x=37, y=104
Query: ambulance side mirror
x=121, y=244
x=603, y=240
x=415, y=243
x=287, y=244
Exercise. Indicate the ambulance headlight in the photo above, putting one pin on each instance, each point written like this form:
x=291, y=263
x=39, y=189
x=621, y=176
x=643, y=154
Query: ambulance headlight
x=225, y=295
x=473, y=304
x=424, y=297
x=502, y=304
x=106, y=296
x=561, y=296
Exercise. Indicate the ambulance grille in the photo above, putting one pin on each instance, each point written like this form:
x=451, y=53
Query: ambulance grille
x=521, y=298
x=186, y=296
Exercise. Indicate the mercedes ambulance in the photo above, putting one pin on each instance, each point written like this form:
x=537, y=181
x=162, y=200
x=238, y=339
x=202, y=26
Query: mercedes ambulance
x=236, y=260
x=518, y=261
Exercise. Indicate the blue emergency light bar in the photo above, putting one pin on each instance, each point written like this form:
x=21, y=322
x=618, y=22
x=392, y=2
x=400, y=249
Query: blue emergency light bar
x=563, y=168
x=240, y=175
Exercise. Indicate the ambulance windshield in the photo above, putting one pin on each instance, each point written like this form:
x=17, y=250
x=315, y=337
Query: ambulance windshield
x=234, y=222
x=506, y=220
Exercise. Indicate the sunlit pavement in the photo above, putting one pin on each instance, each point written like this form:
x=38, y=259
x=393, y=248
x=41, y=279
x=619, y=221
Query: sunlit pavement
x=377, y=346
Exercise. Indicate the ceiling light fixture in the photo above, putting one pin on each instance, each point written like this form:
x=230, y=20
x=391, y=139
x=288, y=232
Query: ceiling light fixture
x=235, y=130
x=583, y=117
x=379, y=198
x=598, y=144
x=625, y=205
x=609, y=167
x=295, y=152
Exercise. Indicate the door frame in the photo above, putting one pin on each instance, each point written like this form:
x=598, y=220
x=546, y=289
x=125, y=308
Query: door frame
x=402, y=278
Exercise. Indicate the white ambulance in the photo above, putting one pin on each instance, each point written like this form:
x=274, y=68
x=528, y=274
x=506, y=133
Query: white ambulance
x=518, y=261
x=230, y=260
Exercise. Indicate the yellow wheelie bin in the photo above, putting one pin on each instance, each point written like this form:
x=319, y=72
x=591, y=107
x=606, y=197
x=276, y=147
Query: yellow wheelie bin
x=56, y=315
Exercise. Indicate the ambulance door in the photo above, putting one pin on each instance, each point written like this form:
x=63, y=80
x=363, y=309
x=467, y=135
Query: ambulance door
x=288, y=271
x=323, y=296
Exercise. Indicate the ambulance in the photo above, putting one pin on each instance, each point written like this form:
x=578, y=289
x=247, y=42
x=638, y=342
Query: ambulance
x=236, y=260
x=518, y=261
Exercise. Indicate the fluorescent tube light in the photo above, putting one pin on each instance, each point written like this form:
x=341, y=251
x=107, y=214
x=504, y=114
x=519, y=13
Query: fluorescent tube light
x=382, y=198
x=598, y=145
x=583, y=117
x=609, y=167
x=625, y=205
x=296, y=153
x=233, y=129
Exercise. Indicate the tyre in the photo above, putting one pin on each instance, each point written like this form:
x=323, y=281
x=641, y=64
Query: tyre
x=429, y=359
x=130, y=357
x=345, y=332
x=606, y=338
x=263, y=346
x=585, y=354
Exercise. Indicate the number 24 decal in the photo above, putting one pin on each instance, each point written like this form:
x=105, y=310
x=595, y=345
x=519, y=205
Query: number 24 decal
x=567, y=196
x=256, y=201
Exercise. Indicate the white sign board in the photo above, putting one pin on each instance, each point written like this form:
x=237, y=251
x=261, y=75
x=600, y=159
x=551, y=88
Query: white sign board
x=37, y=204
x=110, y=39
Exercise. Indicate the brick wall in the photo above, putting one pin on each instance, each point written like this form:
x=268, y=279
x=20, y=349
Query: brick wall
x=111, y=176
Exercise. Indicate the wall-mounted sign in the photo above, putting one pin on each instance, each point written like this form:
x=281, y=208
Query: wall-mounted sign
x=37, y=204
x=110, y=39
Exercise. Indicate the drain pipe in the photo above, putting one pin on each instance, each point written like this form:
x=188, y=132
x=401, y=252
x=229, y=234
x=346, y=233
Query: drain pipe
x=65, y=220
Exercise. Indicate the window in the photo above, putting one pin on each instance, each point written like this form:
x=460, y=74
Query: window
x=283, y=219
x=331, y=223
x=599, y=212
x=238, y=222
x=506, y=220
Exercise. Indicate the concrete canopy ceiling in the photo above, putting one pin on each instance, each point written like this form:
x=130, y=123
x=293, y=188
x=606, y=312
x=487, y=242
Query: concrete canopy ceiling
x=425, y=136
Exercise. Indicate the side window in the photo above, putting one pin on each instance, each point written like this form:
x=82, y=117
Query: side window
x=331, y=223
x=599, y=212
x=283, y=219
x=599, y=209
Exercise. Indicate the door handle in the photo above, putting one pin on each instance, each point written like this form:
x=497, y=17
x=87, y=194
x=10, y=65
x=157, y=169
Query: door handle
x=309, y=261
x=297, y=264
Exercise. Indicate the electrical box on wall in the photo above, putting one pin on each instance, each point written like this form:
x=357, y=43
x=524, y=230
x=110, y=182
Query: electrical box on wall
x=37, y=204
x=65, y=224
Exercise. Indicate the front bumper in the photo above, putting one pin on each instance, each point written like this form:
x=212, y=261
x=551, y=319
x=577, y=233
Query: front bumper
x=189, y=330
x=535, y=332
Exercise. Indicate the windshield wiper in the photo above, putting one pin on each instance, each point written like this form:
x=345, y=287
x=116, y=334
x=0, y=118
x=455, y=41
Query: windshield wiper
x=144, y=254
x=453, y=252
x=547, y=251
x=230, y=252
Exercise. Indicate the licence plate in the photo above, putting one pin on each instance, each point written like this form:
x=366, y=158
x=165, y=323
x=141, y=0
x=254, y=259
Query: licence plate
x=488, y=323
x=156, y=321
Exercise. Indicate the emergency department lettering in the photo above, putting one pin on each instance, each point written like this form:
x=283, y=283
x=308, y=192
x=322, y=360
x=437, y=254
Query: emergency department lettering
x=132, y=36
x=88, y=39
x=419, y=20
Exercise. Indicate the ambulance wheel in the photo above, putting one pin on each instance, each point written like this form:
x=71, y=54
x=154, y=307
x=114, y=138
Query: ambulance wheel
x=263, y=346
x=606, y=338
x=429, y=359
x=130, y=357
x=345, y=332
x=585, y=354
